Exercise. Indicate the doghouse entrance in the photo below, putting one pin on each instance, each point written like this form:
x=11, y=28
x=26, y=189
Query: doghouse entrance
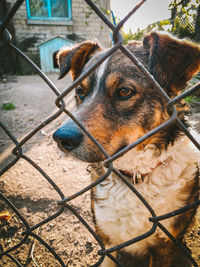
x=47, y=49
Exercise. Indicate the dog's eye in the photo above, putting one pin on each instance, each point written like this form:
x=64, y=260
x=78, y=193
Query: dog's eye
x=123, y=93
x=80, y=93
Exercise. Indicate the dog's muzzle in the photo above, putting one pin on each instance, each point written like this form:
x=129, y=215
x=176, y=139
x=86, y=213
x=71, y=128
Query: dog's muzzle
x=68, y=136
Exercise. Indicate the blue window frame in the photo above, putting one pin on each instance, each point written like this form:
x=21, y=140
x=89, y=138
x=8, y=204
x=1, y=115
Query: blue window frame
x=49, y=9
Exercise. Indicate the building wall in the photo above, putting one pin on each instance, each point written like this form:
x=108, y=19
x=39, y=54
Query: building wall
x=8, y=59
x=85, y=24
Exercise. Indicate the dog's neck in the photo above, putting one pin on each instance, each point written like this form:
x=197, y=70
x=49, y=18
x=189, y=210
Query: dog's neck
x=138, y=177
x=141, y=163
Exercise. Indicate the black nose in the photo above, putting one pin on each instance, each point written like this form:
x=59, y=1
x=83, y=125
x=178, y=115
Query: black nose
x=69, y=136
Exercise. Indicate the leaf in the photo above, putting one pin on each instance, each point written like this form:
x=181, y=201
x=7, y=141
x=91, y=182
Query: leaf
x=4, y=216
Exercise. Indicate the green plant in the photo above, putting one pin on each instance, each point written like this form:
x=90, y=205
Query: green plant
x=185, y=17
x=133, y=36
x=183, y=28
x=192, y=98
x=8, y=106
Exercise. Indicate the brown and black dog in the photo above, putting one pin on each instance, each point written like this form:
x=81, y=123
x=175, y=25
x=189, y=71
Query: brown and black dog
x=118, y=104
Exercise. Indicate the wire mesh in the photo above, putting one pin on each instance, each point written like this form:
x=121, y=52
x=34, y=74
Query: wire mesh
x=63, y=204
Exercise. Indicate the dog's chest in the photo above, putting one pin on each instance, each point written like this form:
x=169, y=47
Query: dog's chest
x=121, y=215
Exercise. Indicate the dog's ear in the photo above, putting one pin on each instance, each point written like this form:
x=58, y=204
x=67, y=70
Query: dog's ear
x=172, y=62
x=74, y=58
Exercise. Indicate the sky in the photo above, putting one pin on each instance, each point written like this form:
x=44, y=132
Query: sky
x=151, y=11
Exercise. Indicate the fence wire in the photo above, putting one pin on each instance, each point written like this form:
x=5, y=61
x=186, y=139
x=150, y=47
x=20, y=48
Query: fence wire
x=5, y=40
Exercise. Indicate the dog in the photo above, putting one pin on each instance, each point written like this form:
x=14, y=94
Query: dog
x=118, y=104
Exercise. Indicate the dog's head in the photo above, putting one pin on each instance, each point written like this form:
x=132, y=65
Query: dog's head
x=116, y=103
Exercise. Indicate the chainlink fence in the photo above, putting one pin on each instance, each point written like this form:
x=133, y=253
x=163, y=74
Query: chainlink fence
x=64, y=203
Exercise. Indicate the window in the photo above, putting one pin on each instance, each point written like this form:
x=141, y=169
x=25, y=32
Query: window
x=49, y=9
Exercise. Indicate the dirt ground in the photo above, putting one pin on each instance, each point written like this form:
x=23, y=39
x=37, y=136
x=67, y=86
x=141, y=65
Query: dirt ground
x=33, y=195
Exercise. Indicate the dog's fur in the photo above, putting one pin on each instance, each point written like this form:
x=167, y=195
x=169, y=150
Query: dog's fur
x=118, y=104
